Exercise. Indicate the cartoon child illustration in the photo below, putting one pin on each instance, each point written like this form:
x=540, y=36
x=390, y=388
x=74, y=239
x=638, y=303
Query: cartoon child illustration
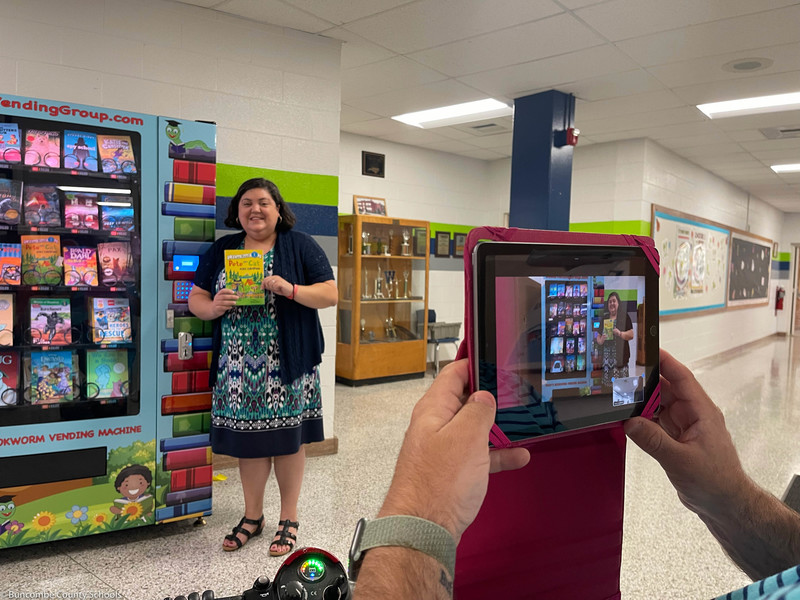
x=7, y=510
x=176, y=145
x=132, y=482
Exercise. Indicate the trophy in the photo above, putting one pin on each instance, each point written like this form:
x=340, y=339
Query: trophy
x=364, y=242
x=390, y=287
x=379, y=285
x=388, y=249
x=349, y=239
x=365, y=277
x=406, y=248
x=363, y=328
x=405, y=283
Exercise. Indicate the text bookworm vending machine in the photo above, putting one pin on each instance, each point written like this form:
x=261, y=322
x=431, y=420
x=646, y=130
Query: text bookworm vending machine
x=87, y=444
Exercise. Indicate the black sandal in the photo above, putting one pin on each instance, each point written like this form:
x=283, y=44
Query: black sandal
x=233, y=537
x=286, y=538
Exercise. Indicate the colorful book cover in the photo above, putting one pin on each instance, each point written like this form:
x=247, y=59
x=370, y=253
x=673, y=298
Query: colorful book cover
x=80, y=266
x=81, y=211
x=42, y=148
x=41, y=259
x=9, y=378
x=111, y=320
x=10, y=201
x=10, y=143
x=107, y=373
x=6, y=319
x=117, y=213
x=51, y=376
x=244, y=272
x=42, y=206
x=116, y=153
x=115, y=262
x=51, y=321
x=10, y=264
x=80, y=150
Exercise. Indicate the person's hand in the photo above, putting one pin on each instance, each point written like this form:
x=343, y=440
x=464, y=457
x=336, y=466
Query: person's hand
x=443, y=469
x=223, y=301
x=616, y=332
x=277, y=285
x=690, y=441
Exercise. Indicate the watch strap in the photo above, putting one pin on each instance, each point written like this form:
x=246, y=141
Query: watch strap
x=412, y=532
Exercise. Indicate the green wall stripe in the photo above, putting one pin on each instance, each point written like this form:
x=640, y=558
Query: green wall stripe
x=785, y=256
x=451, y=228
x=303, y=188
x=624, y=295
x=629, y=227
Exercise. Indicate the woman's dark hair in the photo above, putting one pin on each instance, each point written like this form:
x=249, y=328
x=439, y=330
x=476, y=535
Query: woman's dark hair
x=615, y=294
x=287, y=220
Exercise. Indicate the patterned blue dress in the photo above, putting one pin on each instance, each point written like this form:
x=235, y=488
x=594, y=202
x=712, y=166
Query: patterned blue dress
x=253, y=413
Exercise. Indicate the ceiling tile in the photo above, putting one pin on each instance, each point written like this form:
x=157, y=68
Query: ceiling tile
x=344, y=11
x=691, y=141
x=429, y=23
x=350, y=114
x=710, y=149
x=785, y=144
x=602, y=109
x=357, y=51
x=483, y=154
x=789, y=118
x=501, y=140
x=623, y=19
x=550, y=72
x=380, y=77
x=510, y=46
x=409, y=99
x=613, y=86
x=730, y=35
x=275, y=12
x=414, y=136
x=657, y=118
x=377, y=128
x=450, y=146
x=745, y=136
x=785, y=58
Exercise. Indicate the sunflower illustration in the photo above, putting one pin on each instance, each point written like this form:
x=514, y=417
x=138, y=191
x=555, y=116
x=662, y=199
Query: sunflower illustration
x=43, y=521
x=133, y=510
x=99, y=519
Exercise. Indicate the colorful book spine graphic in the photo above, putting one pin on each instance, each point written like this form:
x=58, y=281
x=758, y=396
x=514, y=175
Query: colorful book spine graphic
x=186, y=479
x=199, y=211
x=190, y=381
x=169, y=248
x=193, y=172
x=198, y=362
x=184, y=459
x=192, y=229
x=244, y=272
x=9, y=378
x=187, y=496
x=181, y=511
x=186, y=442
x=186, y=193
x=10, y=264
x=10, y=201
x=191, y=424
x=6, y=319
x=185, y=403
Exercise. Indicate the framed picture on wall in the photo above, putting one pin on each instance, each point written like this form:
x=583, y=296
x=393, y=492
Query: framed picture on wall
x=459, y=241
x=442, y=247
x=420, y=241
x=373, y=164
x=367, y=205
x=775, y=249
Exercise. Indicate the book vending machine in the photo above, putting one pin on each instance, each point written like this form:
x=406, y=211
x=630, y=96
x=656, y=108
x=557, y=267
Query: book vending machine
x=79, y=295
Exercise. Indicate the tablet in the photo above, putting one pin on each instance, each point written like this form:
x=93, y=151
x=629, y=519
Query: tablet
x=566, y=336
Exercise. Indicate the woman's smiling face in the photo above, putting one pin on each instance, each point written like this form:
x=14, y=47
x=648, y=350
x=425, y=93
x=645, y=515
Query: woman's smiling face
x=258, y=213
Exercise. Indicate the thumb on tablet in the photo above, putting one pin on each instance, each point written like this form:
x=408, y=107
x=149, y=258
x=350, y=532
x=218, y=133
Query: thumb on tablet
x=651, y=438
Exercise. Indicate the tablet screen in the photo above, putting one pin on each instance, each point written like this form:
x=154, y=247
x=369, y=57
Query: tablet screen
x=566, y=336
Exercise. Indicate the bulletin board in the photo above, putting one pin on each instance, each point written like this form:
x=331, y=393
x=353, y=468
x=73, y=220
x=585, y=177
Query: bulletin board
x=694, y=263
x=750, y=266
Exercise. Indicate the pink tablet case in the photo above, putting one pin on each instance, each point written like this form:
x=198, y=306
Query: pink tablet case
x=553, y=530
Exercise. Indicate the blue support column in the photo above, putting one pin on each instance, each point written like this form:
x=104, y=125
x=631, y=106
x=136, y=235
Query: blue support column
x=541, y=173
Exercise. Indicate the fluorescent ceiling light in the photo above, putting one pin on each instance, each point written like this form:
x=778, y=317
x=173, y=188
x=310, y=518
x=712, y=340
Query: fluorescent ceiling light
x=751, y=106
x=93, y=190
x=455, y=114
x=786, y=168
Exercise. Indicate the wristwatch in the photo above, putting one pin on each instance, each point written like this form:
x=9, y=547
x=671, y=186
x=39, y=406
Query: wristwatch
x=406, y=531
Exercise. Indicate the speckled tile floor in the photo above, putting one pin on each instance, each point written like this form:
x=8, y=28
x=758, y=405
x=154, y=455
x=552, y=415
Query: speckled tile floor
x=667, y=552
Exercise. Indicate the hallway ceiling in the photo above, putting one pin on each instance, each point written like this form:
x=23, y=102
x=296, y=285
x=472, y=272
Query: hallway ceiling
x=636, y=67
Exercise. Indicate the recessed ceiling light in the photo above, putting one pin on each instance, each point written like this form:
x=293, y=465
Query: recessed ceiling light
x=747, y=65
x=751, y=106
x=786, y=168
x=456, y=113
